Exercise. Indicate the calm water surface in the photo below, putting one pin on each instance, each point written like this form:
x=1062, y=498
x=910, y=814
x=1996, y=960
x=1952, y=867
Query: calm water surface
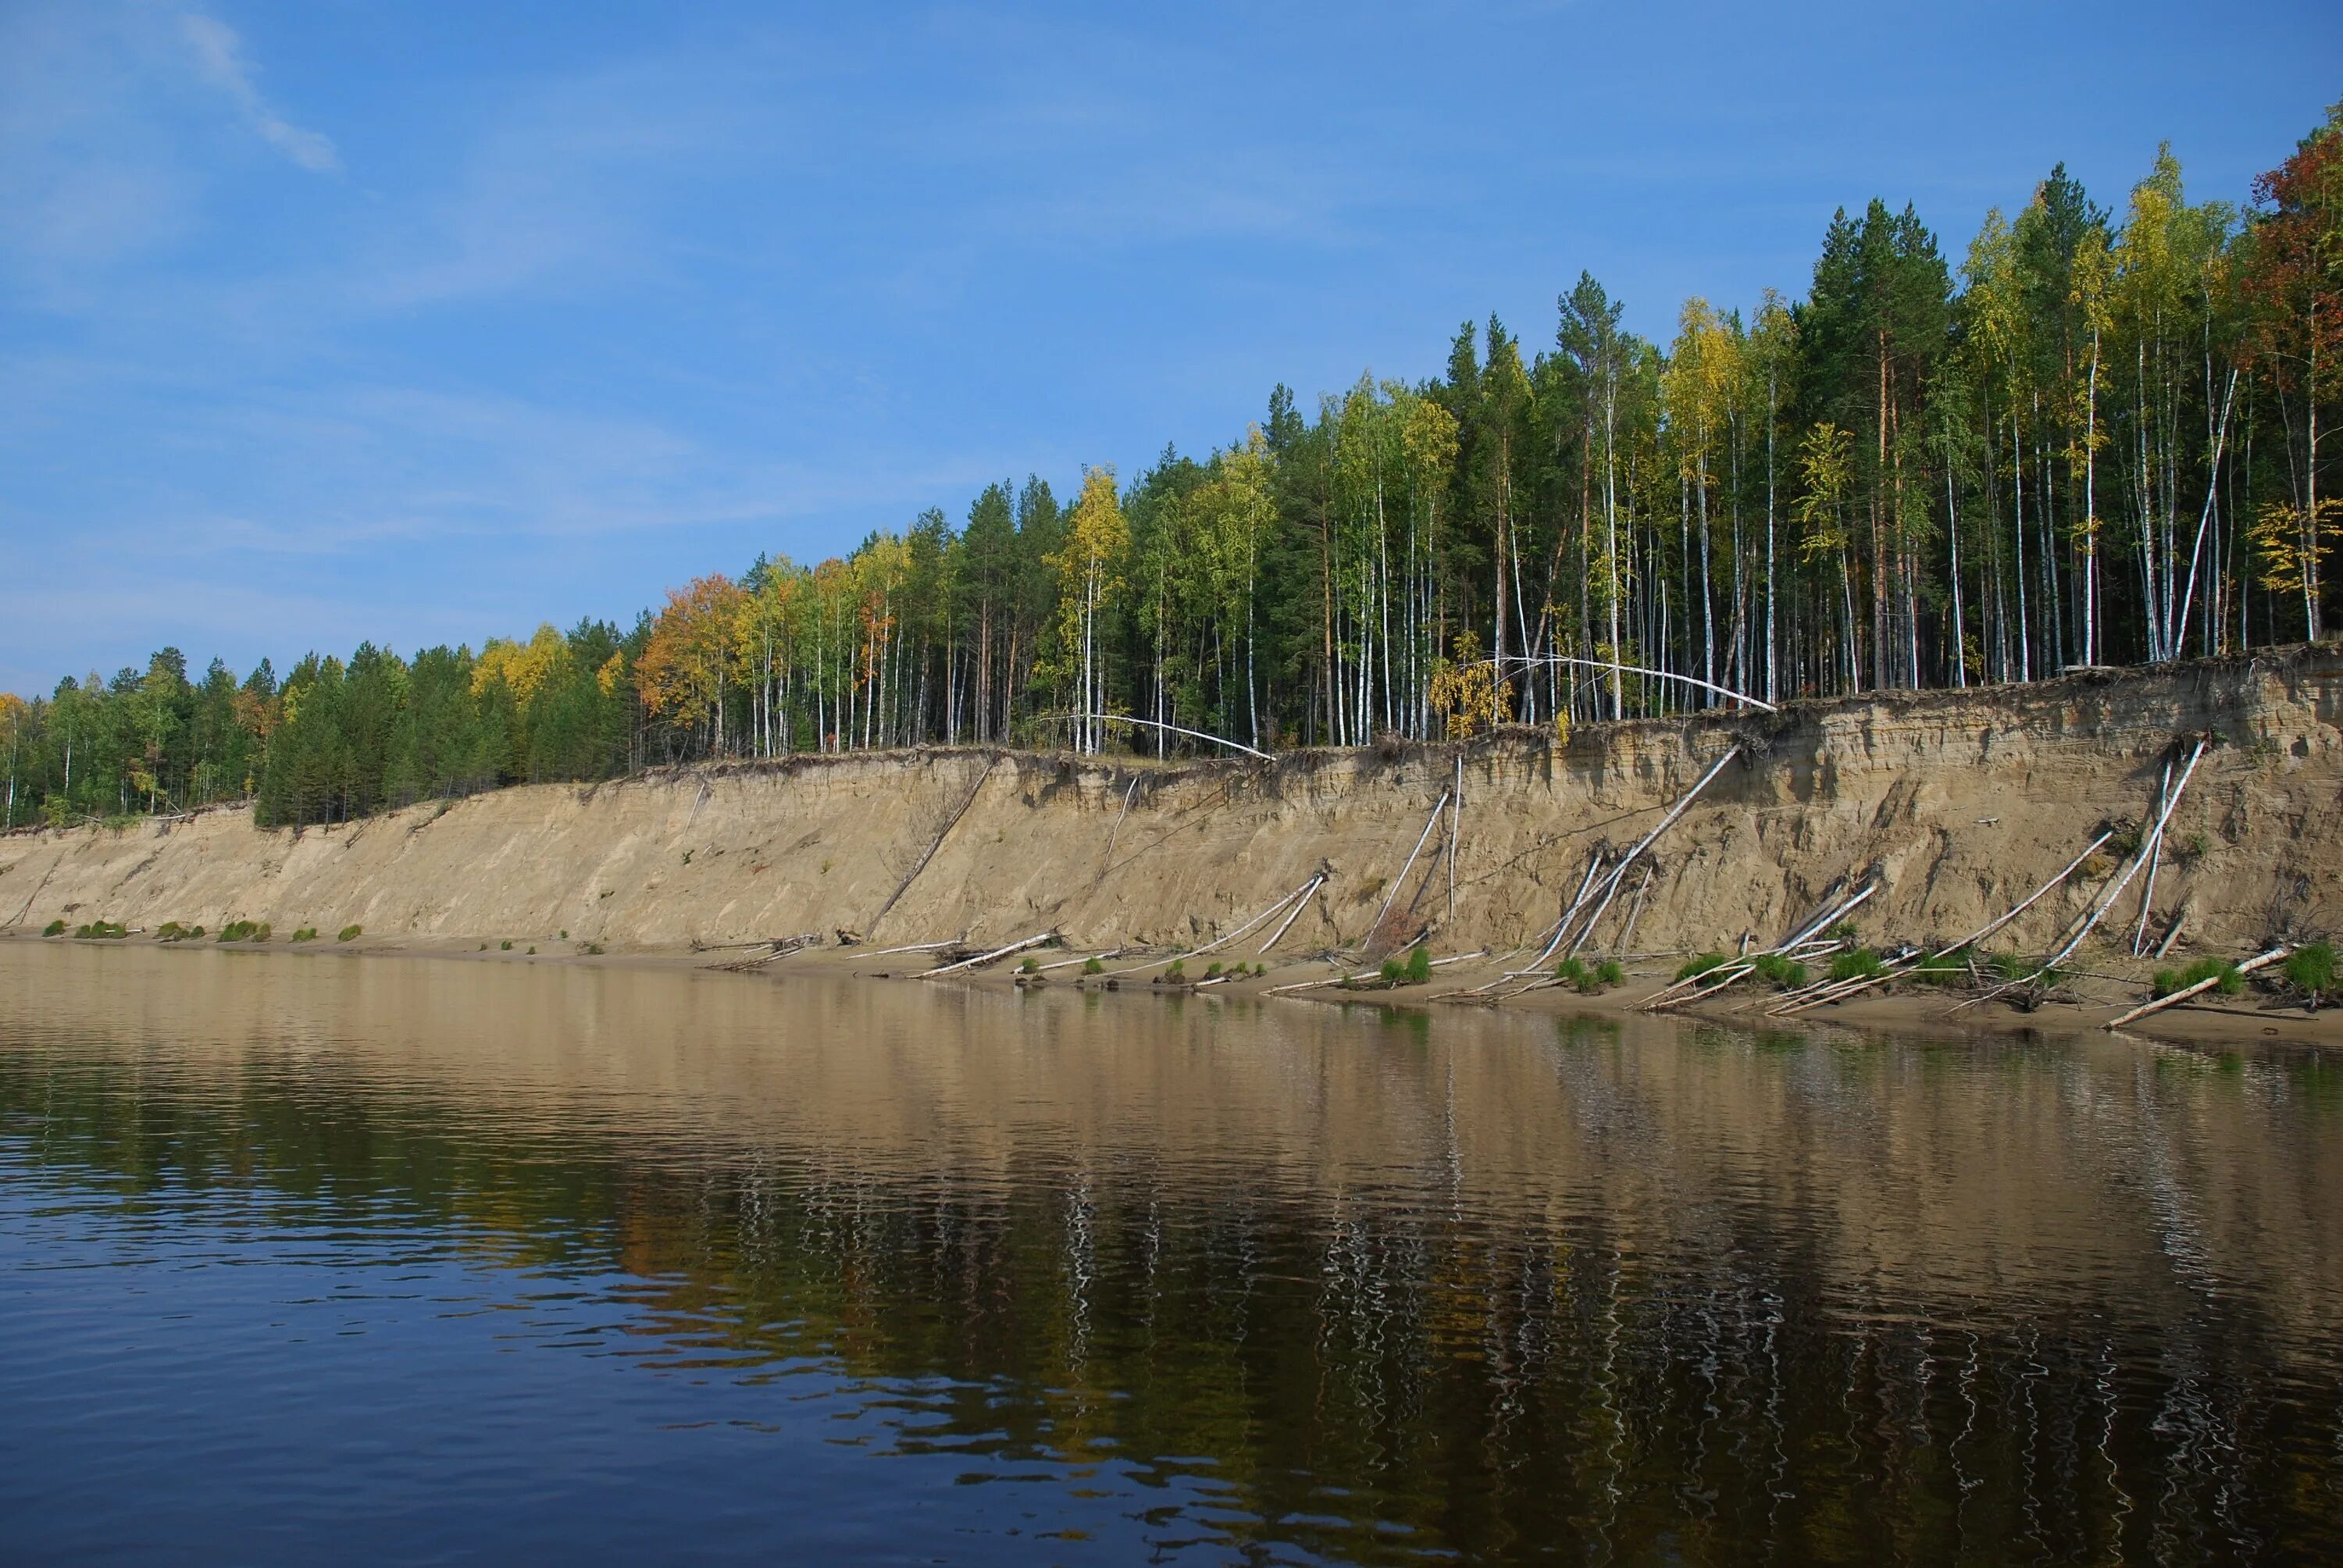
x=417, y=1259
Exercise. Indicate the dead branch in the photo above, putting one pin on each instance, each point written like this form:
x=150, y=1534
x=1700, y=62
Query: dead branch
x=1017, y=947
x=2176, y=998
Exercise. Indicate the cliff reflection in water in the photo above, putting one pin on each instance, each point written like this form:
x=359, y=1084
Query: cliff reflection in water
x=1492, y=1284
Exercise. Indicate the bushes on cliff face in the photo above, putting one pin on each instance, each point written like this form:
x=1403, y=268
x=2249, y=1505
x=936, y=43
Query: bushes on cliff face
x=2309, y=969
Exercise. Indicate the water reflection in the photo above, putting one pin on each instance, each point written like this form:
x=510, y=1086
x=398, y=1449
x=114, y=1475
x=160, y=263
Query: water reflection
x=889, y=1267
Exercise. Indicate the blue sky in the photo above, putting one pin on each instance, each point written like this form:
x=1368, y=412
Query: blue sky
x=421, y=322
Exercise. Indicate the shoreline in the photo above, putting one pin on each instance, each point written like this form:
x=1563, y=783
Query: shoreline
x=2194, y=1026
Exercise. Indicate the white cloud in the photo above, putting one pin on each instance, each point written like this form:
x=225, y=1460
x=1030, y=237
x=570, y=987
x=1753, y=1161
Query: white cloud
x=219, y=59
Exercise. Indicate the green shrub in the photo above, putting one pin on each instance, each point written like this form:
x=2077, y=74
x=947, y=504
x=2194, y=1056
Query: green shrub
x=1418, y=964
x=1842, y=932
x=102, y=930
x=1574, y=973
x=172, y=932
x=1861, y=963
x=1391, y=971
x=2310, y=970
x=1938, y=969
x=1178, y=970
x=349, y=933
x=1092, y=967
x=1700, y=965
x=53, y=928
x=1782, y=972
x=2170, y=980
x=594, y=950
x=1031, y=966
x=306, y=934
x=2010, y=966
x=532, y=952
x=237, y=931
x=505, y=947
x=565, y=936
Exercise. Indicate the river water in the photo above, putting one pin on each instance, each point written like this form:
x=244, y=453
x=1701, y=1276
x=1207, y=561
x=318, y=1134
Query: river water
x=422, y=1259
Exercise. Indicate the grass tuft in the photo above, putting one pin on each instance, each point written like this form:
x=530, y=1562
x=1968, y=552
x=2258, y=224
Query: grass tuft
x=2310, y=970
x=1861, y=963
x=2170, y=980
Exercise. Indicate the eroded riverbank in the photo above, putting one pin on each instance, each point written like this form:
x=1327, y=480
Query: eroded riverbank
x=1951, y=807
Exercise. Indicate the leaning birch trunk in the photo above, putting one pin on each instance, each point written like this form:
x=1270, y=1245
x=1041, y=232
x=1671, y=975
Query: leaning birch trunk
x=2106, y=901
x=1300, y=904
x=1398, y=881
x=1302, y=891
x=1816, y=996
x=2154, y=861
x=1725, y=975
x=1619, y=871
x=1017, y=947
x=1569, y=913
x=1634, y=913
x=1455, y=817
x=1594, y=920
x=2156, y=837
x=2176, y=998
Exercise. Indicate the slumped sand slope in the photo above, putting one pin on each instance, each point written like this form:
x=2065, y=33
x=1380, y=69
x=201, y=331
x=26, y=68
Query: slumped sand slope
x=1961, y=802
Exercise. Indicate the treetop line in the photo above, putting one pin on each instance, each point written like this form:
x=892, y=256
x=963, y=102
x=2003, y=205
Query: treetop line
x=2101, y=438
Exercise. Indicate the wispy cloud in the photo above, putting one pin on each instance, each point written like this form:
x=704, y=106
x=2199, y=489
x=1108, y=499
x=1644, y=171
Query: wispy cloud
x=219, y=60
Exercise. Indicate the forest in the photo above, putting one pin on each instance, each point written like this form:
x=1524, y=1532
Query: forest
x=2099, y=437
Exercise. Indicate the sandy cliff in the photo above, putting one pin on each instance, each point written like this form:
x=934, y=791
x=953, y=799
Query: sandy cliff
x=1961, y=803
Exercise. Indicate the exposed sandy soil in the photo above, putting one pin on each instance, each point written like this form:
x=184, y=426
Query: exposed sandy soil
x=1959, y=803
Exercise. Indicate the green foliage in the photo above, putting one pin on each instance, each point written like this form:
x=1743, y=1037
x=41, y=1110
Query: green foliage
x=349, y=933
x=244, y=931
x=504, y=945
x=1419, y=965
x=53, y=928
x=1590, y=980
x=1781, y=972
x=593, y=949
x=2224, y=969
x=306, y=934
x=1393, y=971
x=1214, y=973
x=1938, y=969
x=1178, y=970
x=1700, y=965
x=1092, y=967
x=1031, y=966
x=102, y=930
x=1860, y=963
x=2310, y=970
x=173, y=931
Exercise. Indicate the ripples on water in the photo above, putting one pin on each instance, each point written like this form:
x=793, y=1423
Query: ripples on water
x=422, y=1259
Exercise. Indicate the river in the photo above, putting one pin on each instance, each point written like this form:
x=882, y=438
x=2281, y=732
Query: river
x=314, y=1255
